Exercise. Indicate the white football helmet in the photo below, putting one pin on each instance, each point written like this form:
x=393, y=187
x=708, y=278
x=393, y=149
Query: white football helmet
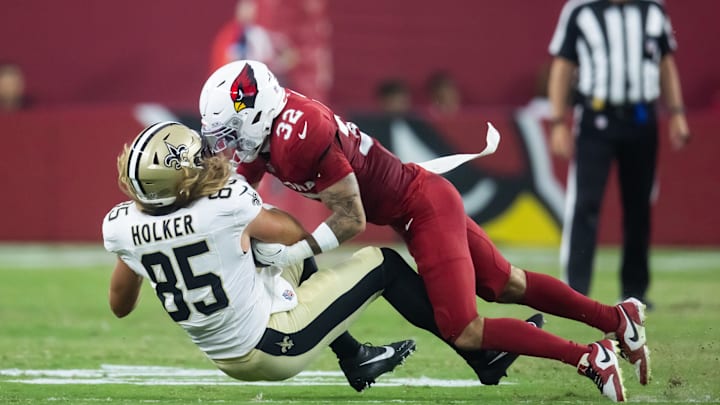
x=238, y=104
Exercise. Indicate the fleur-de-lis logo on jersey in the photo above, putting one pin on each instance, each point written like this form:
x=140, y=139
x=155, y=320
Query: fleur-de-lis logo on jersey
x=286, y=344
x=255, y=199
x=177, y=155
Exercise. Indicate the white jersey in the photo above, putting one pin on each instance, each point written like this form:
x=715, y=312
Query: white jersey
x=193, y=259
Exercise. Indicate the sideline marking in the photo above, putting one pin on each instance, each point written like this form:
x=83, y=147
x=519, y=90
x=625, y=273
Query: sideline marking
x=158, y=375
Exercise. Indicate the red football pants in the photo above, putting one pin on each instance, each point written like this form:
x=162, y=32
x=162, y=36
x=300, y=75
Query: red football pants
x=454, y=256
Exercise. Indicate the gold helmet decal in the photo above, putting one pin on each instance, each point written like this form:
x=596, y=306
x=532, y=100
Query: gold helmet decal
x=177, y=156
x=244, y=89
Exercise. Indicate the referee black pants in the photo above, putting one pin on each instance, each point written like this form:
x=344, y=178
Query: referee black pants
x=604, y=138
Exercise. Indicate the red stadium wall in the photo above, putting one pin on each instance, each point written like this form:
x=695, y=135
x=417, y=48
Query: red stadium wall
x=495, y=49
x=87, y=52
x=59, y=176
x=88, y=63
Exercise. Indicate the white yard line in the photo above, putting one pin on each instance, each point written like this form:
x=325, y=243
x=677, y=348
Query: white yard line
x=157, y=375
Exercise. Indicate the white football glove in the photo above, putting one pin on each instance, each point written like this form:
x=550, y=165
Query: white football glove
x=267, y=254
x=276, y=254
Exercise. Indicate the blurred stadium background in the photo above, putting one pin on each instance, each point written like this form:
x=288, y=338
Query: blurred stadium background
x=98, y=72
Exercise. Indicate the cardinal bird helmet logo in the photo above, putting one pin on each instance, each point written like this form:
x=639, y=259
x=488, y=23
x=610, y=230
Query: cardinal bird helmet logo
x=244, y=89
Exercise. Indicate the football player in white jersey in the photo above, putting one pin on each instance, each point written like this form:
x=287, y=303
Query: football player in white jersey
x=188, y=230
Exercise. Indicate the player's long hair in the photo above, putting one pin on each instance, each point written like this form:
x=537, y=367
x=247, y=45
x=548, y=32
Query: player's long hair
x=194, y=183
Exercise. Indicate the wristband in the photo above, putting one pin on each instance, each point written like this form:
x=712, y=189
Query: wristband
x=268, y=206
x=325, y=237
x=298, y=252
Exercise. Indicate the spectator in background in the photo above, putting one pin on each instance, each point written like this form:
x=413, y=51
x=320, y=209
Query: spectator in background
x=12, y=88
x=622, y=51
x=443, y=93
x=245, y=38
x=393, y=97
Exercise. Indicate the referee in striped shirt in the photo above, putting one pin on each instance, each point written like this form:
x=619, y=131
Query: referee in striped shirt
x=618, y=56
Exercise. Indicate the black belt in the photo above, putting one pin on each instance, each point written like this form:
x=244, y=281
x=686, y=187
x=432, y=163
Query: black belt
x=641, y=113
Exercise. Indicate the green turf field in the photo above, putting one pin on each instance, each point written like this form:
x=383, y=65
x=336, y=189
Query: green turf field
x=59, y=343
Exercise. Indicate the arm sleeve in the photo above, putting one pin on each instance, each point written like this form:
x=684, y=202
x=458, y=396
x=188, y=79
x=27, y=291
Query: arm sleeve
x=563, y=43
x=667, y=41
x=113, y=244
x=246, y=202
x=110, y=239
x=324, y=155
x=332, y=167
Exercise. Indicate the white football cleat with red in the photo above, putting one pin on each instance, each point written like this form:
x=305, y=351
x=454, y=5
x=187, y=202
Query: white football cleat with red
x=631, y=337
x=601, y=366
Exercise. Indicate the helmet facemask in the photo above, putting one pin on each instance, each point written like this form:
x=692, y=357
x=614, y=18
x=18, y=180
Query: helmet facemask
x=246, y=145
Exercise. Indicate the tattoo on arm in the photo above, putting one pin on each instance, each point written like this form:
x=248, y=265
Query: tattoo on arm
x=348, y=217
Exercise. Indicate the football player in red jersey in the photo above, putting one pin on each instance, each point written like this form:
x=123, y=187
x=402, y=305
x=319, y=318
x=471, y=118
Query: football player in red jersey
x=315, y=152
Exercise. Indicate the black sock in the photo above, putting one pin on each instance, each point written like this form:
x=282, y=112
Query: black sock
x=345, y=345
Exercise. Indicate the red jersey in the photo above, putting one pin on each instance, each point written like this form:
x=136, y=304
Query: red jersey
x=311, y=149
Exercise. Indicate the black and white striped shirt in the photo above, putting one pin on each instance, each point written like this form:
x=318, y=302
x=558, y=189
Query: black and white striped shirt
x=617, y=45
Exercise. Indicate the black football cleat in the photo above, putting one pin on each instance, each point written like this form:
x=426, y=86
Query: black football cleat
x=493, y=365
x=372, y=361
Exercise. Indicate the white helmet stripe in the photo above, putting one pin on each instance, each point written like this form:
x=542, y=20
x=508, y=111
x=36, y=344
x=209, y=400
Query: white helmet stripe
x=136, y=152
